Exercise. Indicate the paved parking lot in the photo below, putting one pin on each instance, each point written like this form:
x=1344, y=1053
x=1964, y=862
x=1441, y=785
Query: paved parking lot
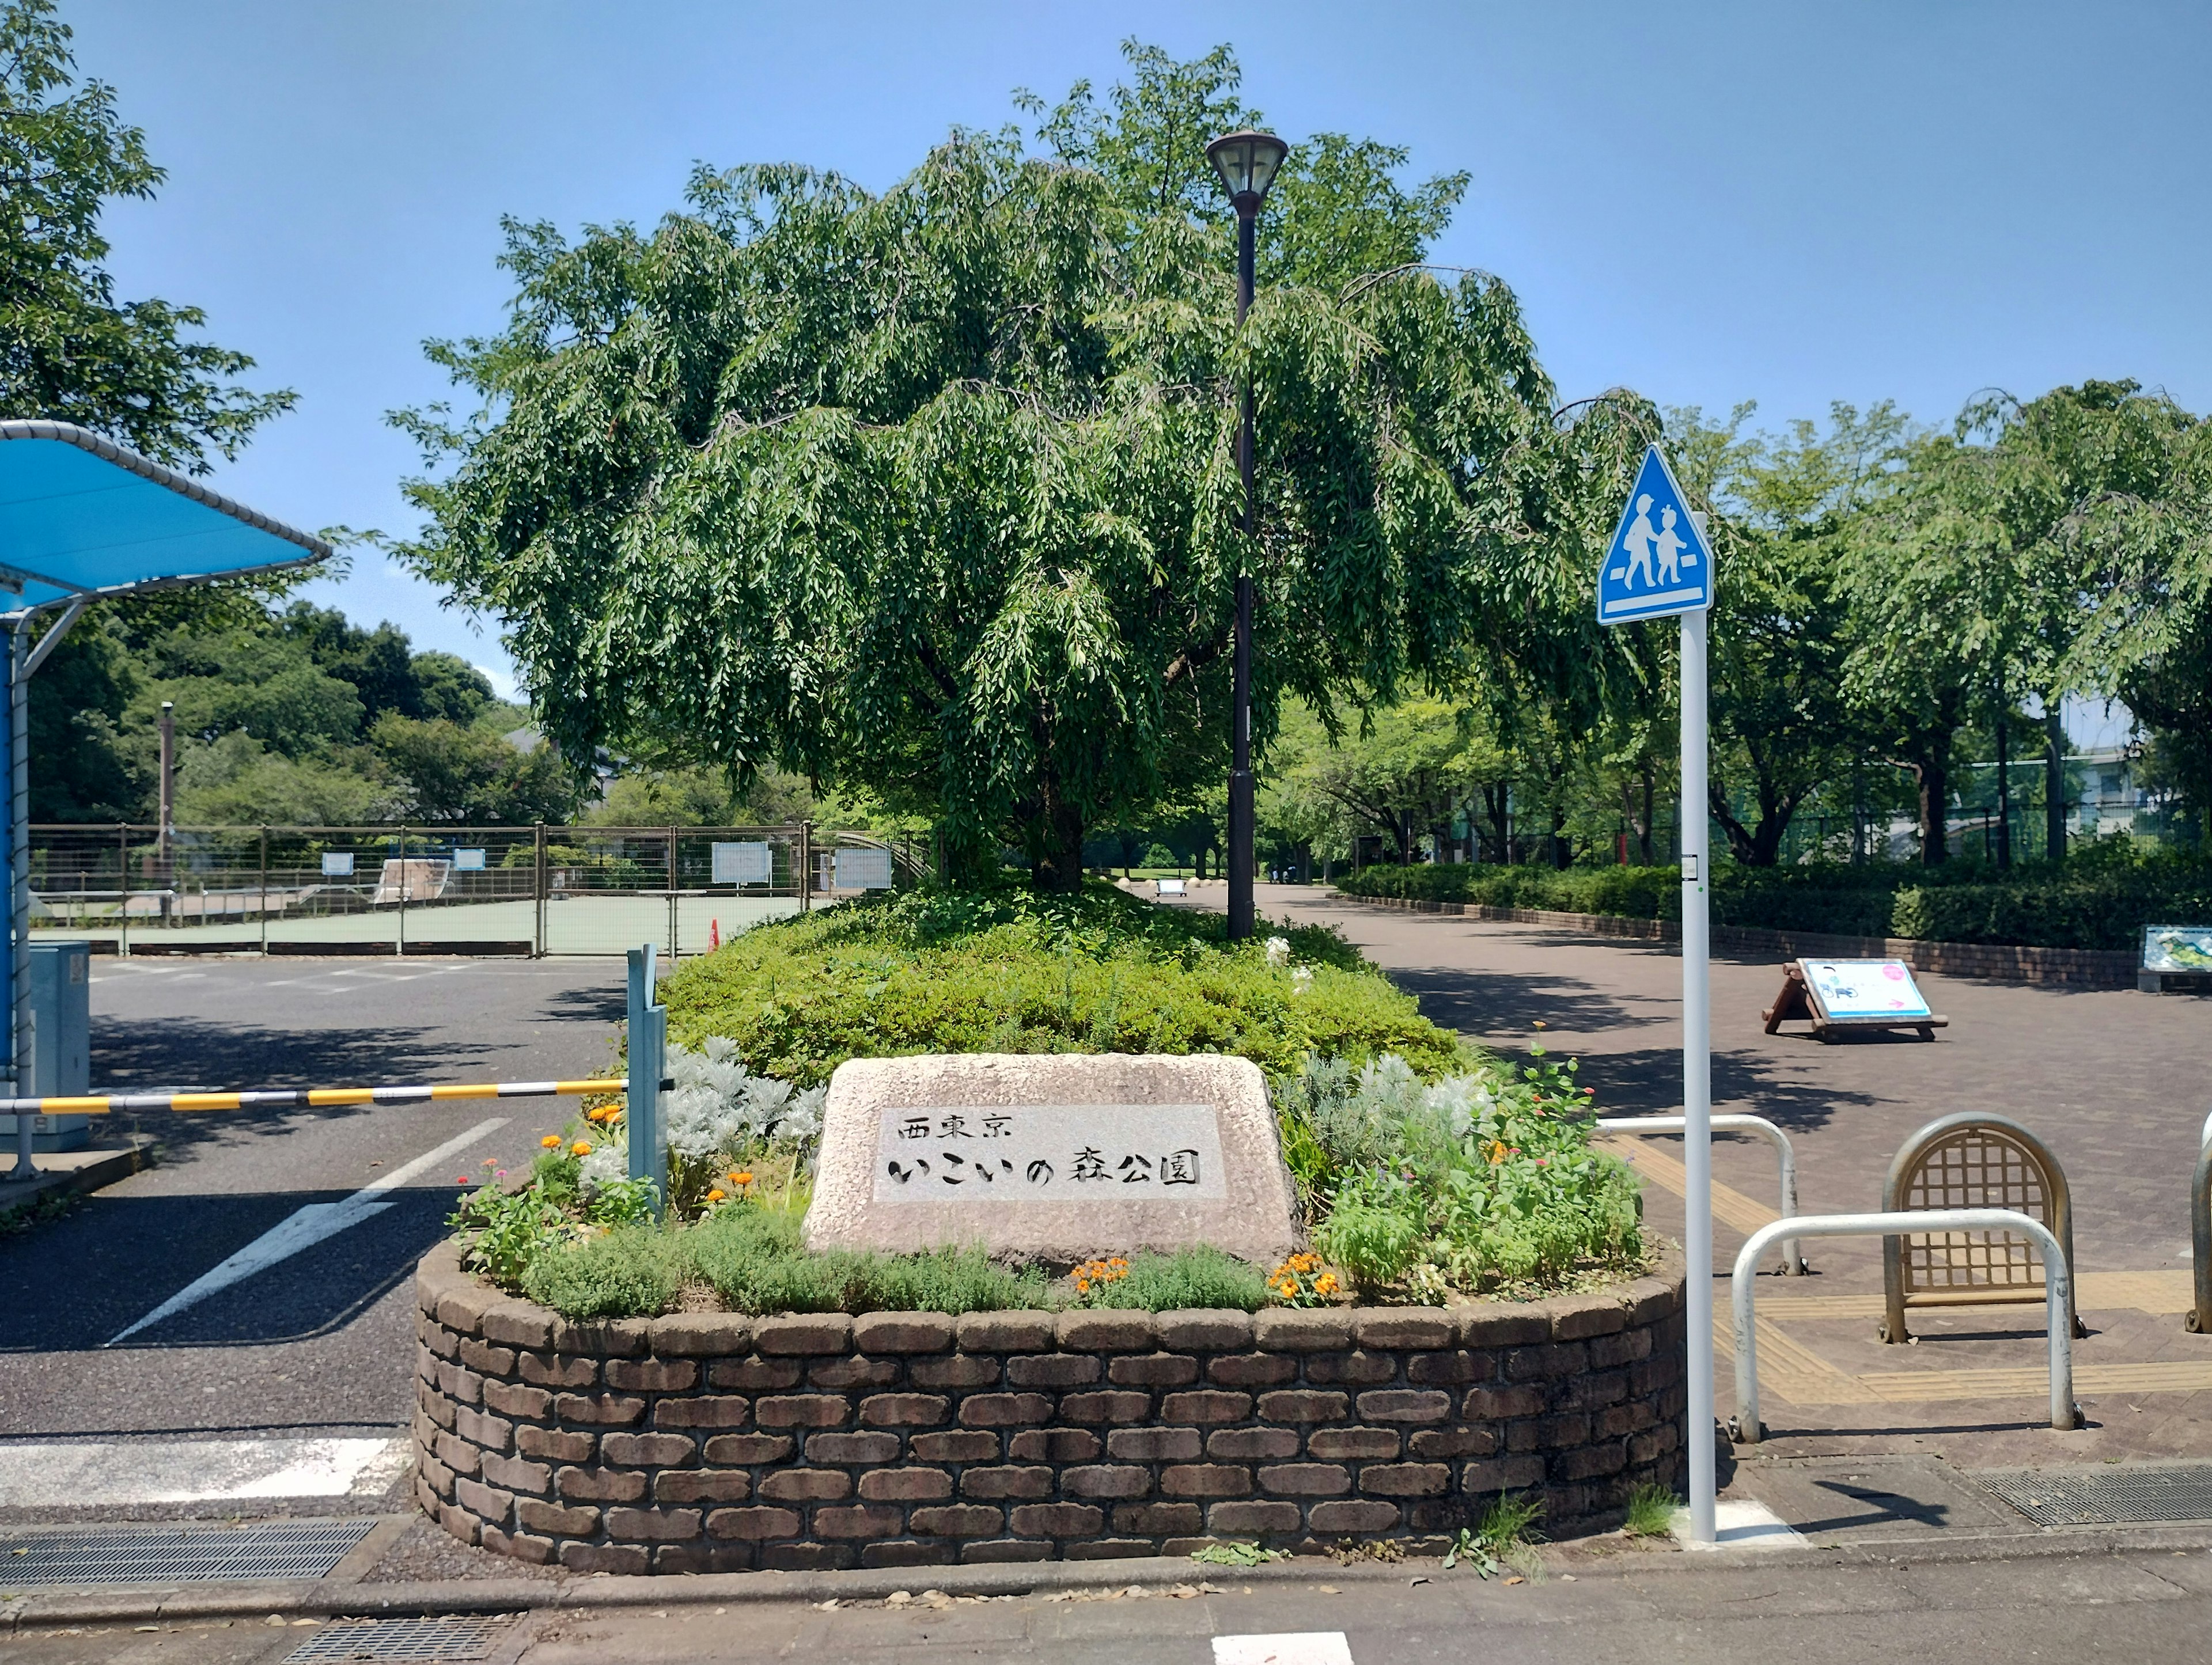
x=315, y=1341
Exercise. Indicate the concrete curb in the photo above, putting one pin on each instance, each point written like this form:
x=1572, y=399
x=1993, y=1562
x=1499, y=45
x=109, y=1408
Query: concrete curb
x=608, y=1592
x=103, y=1168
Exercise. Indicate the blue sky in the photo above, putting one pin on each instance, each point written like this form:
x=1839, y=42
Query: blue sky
x=1782, y=202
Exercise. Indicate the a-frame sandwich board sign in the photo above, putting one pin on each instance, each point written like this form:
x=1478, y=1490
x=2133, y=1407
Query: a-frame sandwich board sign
x=1658, y=563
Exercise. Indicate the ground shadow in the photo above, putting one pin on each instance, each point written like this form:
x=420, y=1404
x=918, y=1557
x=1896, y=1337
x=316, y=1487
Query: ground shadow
x=1887, y=1508
x=126, y=1256
x=1649, y=1082
x=180, y=1053
x=609, y=1005
x=1501, y=1003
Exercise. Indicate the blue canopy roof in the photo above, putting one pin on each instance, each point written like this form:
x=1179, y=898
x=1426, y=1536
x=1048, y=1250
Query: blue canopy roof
x=81, y=518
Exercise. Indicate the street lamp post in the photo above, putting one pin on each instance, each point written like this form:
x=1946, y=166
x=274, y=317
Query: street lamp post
x=1248, y=163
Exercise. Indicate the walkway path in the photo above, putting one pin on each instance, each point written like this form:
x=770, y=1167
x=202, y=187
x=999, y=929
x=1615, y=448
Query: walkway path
x=2115, y=1082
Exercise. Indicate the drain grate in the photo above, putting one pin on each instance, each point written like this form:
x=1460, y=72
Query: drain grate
x=2105, y=1496
x=177, y=1555
x=420, y=1639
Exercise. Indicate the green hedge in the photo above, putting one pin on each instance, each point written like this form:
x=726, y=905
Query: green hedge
x=2102, y=898
x=1633, y=892
x=1010, y=971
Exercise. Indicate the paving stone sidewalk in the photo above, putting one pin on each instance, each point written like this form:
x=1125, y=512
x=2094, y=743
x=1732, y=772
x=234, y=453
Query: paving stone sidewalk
x=2116, y=1082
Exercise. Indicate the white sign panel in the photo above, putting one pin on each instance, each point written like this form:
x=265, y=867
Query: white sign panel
x=338, y=864
x=864, y=869
x=1865, y=988
x=1001, y=1153
x=746, y=863
x=468, y=861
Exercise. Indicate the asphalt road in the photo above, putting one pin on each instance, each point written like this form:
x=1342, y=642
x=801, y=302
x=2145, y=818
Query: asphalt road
x=2070, y=1609
x=320, y=1341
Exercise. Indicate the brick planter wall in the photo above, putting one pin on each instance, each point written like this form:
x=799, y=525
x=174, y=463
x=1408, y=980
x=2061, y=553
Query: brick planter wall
x=713, y=1442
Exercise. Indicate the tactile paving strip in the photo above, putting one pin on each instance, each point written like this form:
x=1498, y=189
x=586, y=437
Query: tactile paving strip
x=177, y=1555
x=423, y=1640
x=2110, y=1495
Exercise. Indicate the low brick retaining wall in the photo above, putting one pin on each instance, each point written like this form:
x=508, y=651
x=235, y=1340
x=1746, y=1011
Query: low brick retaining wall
x=717, y=1441
x=2079, y=967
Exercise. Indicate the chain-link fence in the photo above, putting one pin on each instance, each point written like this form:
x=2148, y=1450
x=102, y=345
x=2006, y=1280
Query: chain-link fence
x=519, y=891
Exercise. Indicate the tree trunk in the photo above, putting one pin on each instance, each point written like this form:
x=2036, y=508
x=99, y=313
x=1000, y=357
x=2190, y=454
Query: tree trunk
x=1498, y=806
x=2004, y=789
x=1934, y=782
x=1563, y=848
x=2054, y=780
x=1060, y=857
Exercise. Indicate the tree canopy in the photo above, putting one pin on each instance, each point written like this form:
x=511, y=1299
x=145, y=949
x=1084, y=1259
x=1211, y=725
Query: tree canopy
x=933, y=492
x=69, y=351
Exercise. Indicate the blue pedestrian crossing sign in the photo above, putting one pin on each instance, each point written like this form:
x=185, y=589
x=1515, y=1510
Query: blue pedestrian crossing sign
x=1658, y=561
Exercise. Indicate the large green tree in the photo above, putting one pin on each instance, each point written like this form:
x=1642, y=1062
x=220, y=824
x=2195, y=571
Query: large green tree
x=933, y=493
x=1782, y=726
x=2056, y=546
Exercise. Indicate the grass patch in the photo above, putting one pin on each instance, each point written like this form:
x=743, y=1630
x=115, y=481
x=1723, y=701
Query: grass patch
x=752, y=1259
x=1009, y=970
x=1201, y=1277
x=1501, y=1538
x=1651, y=1511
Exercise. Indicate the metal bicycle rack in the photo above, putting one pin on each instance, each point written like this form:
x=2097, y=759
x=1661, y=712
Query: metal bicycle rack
x=2200, y=1235
x=1971, y=1161
x=1793, y=1265
x=1745, y=1427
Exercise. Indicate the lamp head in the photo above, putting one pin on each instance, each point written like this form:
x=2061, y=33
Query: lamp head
x=1248, y=163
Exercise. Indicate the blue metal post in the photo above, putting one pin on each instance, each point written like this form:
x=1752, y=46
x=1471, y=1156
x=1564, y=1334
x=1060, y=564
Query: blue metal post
x=14, y=965
x=648, y=1053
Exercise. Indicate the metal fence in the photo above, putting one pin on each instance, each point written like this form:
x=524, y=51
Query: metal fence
x=519, y=891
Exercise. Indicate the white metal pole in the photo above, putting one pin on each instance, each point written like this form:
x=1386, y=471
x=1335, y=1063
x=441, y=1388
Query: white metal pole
x=1697, y=1080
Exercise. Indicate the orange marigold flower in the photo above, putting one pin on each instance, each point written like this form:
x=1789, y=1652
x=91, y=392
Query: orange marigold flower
x=714, y=1196
x=741, y=1177
x=551, y=1141
x=580, y=1148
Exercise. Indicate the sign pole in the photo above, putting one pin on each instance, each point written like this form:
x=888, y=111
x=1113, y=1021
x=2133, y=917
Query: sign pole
x=1697, y=1079
x=1660, y=562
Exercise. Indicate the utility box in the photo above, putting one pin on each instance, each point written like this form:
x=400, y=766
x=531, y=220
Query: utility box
x=58, y=1044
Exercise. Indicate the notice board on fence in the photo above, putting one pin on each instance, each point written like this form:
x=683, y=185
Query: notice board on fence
x=864, y=869
x=746, y=862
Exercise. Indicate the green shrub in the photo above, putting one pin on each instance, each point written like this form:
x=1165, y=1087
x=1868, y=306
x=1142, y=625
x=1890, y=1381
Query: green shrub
x=632, y=1271
x=2100, y=897
x=1009, y=970
x=1201, y=1277
x=2058, y=912
x=1631, y=892
x=1463, y=1185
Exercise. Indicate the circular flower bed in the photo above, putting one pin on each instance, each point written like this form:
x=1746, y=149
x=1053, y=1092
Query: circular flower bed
x=696, y=1442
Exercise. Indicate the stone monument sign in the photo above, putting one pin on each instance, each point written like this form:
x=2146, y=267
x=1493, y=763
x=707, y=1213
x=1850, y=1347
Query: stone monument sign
x=1057, y=1156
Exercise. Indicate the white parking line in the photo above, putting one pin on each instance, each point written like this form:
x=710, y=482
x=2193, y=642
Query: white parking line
x=306, y=1228
x=124, y=1472
x=1286, y=1648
